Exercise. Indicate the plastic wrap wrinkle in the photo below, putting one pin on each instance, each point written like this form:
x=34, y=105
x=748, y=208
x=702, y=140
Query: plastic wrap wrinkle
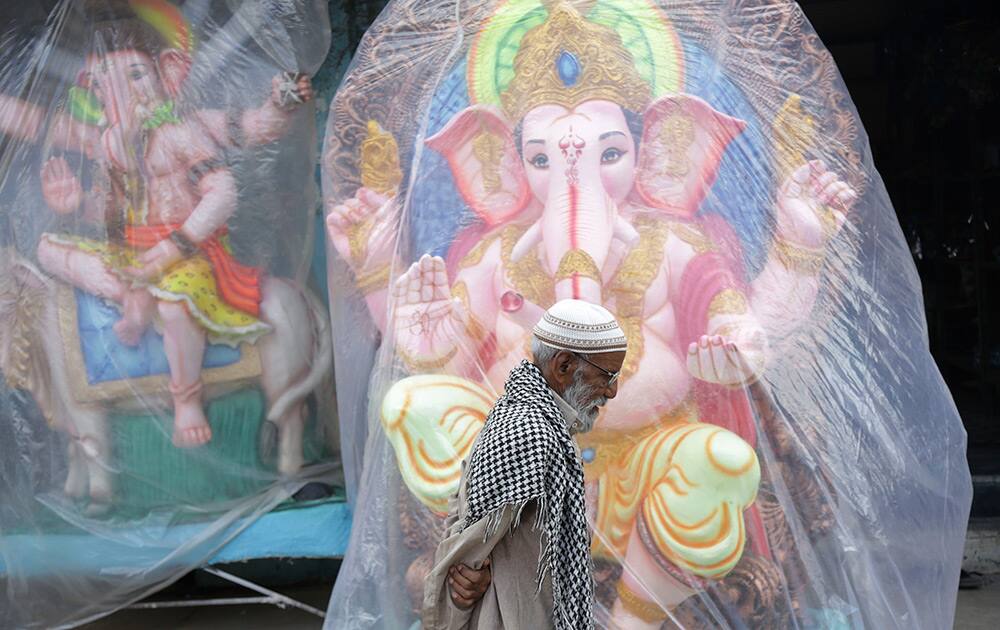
x=166, y=365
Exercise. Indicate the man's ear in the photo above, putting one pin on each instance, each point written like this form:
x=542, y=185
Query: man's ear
x=563, y=364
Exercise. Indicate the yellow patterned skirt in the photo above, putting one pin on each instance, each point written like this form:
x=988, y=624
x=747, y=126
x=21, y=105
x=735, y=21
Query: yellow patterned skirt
x=190, y=281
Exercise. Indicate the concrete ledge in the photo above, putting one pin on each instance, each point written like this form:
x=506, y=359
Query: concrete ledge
x=982, y=546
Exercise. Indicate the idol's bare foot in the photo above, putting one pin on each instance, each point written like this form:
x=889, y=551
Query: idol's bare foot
x=190, y=424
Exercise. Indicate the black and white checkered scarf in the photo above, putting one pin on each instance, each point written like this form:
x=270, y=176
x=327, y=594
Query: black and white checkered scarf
x=525, y=453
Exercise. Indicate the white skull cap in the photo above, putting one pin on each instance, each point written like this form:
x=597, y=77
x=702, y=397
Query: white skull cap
x=580, y=326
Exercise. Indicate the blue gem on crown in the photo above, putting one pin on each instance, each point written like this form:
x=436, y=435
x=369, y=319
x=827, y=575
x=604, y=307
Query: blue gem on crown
x=568, y=68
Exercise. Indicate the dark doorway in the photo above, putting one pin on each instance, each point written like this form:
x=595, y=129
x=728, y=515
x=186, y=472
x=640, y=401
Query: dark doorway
x=925, y=77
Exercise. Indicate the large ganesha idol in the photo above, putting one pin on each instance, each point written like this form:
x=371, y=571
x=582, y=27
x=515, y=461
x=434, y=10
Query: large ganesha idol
x=154, y=254
x=581, y=164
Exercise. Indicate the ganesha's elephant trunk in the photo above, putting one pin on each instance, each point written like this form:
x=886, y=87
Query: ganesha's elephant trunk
x=579, y=222
x=576, y=230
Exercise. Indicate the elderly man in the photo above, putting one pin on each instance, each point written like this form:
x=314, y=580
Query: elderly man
x=516, y=552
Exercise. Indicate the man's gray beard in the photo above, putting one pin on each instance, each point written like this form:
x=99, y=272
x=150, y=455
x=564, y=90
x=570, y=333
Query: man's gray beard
x=576, y=395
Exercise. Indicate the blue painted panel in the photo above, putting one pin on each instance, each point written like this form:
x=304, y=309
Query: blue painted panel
x=318, y=531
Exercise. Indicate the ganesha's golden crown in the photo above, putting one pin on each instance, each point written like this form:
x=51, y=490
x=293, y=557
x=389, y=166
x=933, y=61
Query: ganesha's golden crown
x=568, y=60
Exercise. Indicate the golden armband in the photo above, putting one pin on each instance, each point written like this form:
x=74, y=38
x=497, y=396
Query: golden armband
x=647, y=611
x=417, y=365
x=373, y=281
x=727, y=302
x=357, y=240
x=806, y=261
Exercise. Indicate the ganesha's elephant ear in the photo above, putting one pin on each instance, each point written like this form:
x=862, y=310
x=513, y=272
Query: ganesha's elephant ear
x=432, y=422
x=683, y=141
x=479, y=147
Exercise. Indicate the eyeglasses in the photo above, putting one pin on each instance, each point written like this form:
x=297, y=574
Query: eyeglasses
x=612, y=376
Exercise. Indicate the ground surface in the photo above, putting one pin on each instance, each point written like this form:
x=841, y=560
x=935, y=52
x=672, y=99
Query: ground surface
x=977, y=610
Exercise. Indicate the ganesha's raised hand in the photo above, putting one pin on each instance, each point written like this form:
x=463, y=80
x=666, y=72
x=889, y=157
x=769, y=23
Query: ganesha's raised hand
x=813, y=204
x=429, y=322
x=718, y=359
x=289, y=90
x=363, y=230
x=60, y=187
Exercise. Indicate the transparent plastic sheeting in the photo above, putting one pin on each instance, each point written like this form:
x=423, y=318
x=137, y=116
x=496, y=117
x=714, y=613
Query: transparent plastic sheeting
x=166, y=368
x=698, y=168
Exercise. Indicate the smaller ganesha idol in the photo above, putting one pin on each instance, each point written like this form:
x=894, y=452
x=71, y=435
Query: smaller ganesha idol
x=146, y=304
x=589, y=172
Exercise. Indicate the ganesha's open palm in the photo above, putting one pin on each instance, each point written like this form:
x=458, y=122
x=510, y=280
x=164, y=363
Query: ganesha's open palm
x=60, y=187
x=428, y=320
x=718, y=359
x=813, y=204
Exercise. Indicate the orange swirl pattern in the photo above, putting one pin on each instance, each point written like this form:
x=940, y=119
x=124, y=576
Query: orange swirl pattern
x=432, y=422
x=689, y=483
